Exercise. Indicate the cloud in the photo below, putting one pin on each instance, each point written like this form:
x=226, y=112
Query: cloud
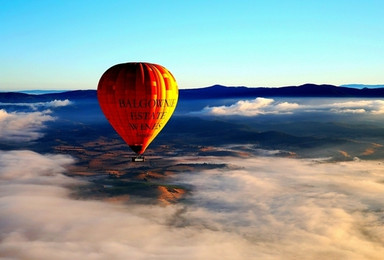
x=265, y=106
x=268, y=208
x=24, y=165
x=58, y=103
x=49, y=104
x=22, y=126
x=40, y=220
x=351, y=111
x=378, y=107
x=302, y=209
x=258, y=106
x=358, y=106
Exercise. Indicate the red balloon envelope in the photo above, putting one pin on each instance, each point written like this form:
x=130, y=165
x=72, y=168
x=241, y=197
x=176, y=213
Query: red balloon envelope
x=138, y=99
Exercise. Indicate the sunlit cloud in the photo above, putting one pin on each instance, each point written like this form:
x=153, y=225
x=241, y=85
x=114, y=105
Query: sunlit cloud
x=49, y=104
x=40, y=220
x=258, y=106
x=358, y=107
x=349, y=111
x=378, y=107
x=299, y=208
x=23, y=126
x=23, y=166
x=58, y=103
x=265, y=106
x=265, y=208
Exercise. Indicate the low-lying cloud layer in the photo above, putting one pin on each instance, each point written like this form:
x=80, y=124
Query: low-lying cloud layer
x=265, y=106
x=258, y=208
x=23, y=126
x=49, y=104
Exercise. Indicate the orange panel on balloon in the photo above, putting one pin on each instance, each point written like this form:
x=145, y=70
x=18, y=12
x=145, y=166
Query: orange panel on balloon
x=138, y=99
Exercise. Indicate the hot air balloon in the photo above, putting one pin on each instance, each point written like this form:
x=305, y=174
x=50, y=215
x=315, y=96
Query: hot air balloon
x=138, y=99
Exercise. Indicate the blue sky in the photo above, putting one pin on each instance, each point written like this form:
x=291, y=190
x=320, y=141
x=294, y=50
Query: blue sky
x=69, y=44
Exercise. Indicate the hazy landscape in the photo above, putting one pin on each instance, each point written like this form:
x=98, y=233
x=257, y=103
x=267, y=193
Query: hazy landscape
x=237, y=173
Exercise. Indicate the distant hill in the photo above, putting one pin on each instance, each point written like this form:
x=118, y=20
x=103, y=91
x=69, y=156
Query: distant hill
x=40, y=92
x=216, y=91
x=360, y=86
x=17, y=97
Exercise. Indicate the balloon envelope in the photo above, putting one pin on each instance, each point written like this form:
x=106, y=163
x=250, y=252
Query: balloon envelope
x=138, y=99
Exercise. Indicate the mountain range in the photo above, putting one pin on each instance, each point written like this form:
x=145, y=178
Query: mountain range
x=217, y=91
x=306, y=90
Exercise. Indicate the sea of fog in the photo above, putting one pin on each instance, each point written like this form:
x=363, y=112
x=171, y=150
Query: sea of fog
x=259, y=206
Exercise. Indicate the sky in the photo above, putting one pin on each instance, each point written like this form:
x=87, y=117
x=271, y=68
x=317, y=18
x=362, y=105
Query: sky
x=69, y=44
